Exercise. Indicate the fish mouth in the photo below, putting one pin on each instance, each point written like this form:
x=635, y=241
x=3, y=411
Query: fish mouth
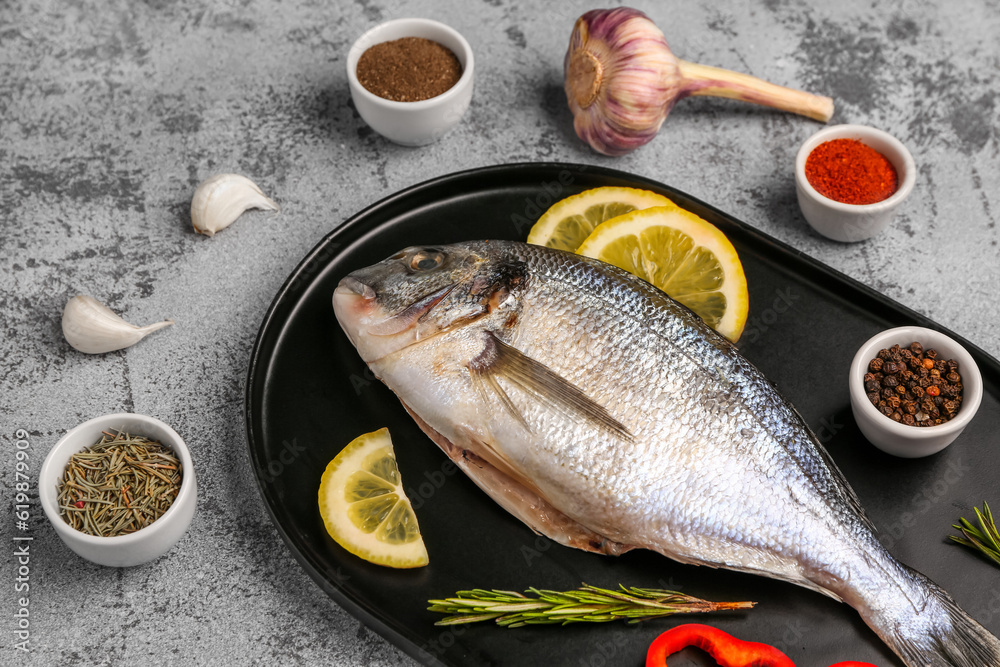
x=353, y=302
x=370, y=329
x=409, y=316
x=349, y=285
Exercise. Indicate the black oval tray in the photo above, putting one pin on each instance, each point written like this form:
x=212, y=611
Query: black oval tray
x=309, y=394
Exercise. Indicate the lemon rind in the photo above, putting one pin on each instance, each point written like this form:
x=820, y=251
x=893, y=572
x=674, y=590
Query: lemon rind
x=333, y=507
x=577, y=204
x=703, y=233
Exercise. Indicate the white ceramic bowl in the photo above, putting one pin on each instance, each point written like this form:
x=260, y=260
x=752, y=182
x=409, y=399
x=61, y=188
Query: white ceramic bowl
x=143, y=545
x=853, y=222
x=413, y=123
x=897, y=438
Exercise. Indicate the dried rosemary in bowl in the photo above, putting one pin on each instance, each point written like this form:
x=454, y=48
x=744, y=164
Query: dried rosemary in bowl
x=119, y=485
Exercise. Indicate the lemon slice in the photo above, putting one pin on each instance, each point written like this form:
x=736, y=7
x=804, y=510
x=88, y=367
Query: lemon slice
x=363, y=505
x=682, y=254
x=569, y=221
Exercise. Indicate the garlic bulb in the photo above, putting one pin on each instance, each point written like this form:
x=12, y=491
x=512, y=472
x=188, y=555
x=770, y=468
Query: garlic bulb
x=92, y=327
x=621, y=81
x=222, y=198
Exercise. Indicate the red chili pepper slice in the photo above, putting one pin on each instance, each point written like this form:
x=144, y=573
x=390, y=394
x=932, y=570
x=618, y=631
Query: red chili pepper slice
x=725, y=649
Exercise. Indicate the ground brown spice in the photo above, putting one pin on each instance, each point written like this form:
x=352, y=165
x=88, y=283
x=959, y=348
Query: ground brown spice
x=408, y=69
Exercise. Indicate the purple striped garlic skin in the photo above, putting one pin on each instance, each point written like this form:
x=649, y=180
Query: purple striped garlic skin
x=621, y=79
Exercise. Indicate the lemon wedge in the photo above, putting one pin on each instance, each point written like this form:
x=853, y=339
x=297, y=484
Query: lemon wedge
x=569, y=221
x=363, y=505
x=682, y=254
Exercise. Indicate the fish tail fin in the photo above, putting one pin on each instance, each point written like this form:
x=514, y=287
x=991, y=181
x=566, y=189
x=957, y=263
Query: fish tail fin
x=942, y=634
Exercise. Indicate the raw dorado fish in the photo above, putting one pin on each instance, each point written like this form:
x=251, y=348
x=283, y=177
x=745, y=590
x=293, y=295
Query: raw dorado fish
x=607, y=417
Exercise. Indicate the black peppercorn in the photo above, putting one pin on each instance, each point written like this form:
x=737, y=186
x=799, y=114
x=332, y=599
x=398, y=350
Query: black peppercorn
x=912, y=385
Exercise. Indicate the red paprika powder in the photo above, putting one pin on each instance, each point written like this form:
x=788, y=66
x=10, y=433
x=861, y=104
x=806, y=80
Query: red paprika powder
x=850, y=172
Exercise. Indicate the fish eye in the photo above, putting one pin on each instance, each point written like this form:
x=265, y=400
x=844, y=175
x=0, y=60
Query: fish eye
x=424, y=260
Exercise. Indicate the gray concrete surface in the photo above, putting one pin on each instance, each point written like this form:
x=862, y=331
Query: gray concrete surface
x=112, y=111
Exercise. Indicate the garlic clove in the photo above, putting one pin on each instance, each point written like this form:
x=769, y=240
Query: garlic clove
x=219, y=200
x=91, y=327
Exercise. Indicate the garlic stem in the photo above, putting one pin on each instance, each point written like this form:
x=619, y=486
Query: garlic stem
x=93, y=328
x=718, y=82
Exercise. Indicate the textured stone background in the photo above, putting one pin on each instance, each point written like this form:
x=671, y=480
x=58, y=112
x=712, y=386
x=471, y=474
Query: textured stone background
x=112, y=111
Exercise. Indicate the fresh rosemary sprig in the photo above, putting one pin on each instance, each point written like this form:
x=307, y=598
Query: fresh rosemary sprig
x=986, y=538
x=587, y=604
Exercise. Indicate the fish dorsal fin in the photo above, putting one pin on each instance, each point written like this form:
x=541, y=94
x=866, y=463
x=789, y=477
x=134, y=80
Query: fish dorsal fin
x=842, y=485
x=849, y=494
x=499, y=360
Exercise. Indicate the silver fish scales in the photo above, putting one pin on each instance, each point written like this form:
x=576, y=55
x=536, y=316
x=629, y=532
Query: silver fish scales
x=608, y=417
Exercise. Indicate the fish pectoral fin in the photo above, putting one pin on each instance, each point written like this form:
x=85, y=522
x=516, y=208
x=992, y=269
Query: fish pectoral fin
x=517, y=497
x=499, y=360
x=486, y=383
